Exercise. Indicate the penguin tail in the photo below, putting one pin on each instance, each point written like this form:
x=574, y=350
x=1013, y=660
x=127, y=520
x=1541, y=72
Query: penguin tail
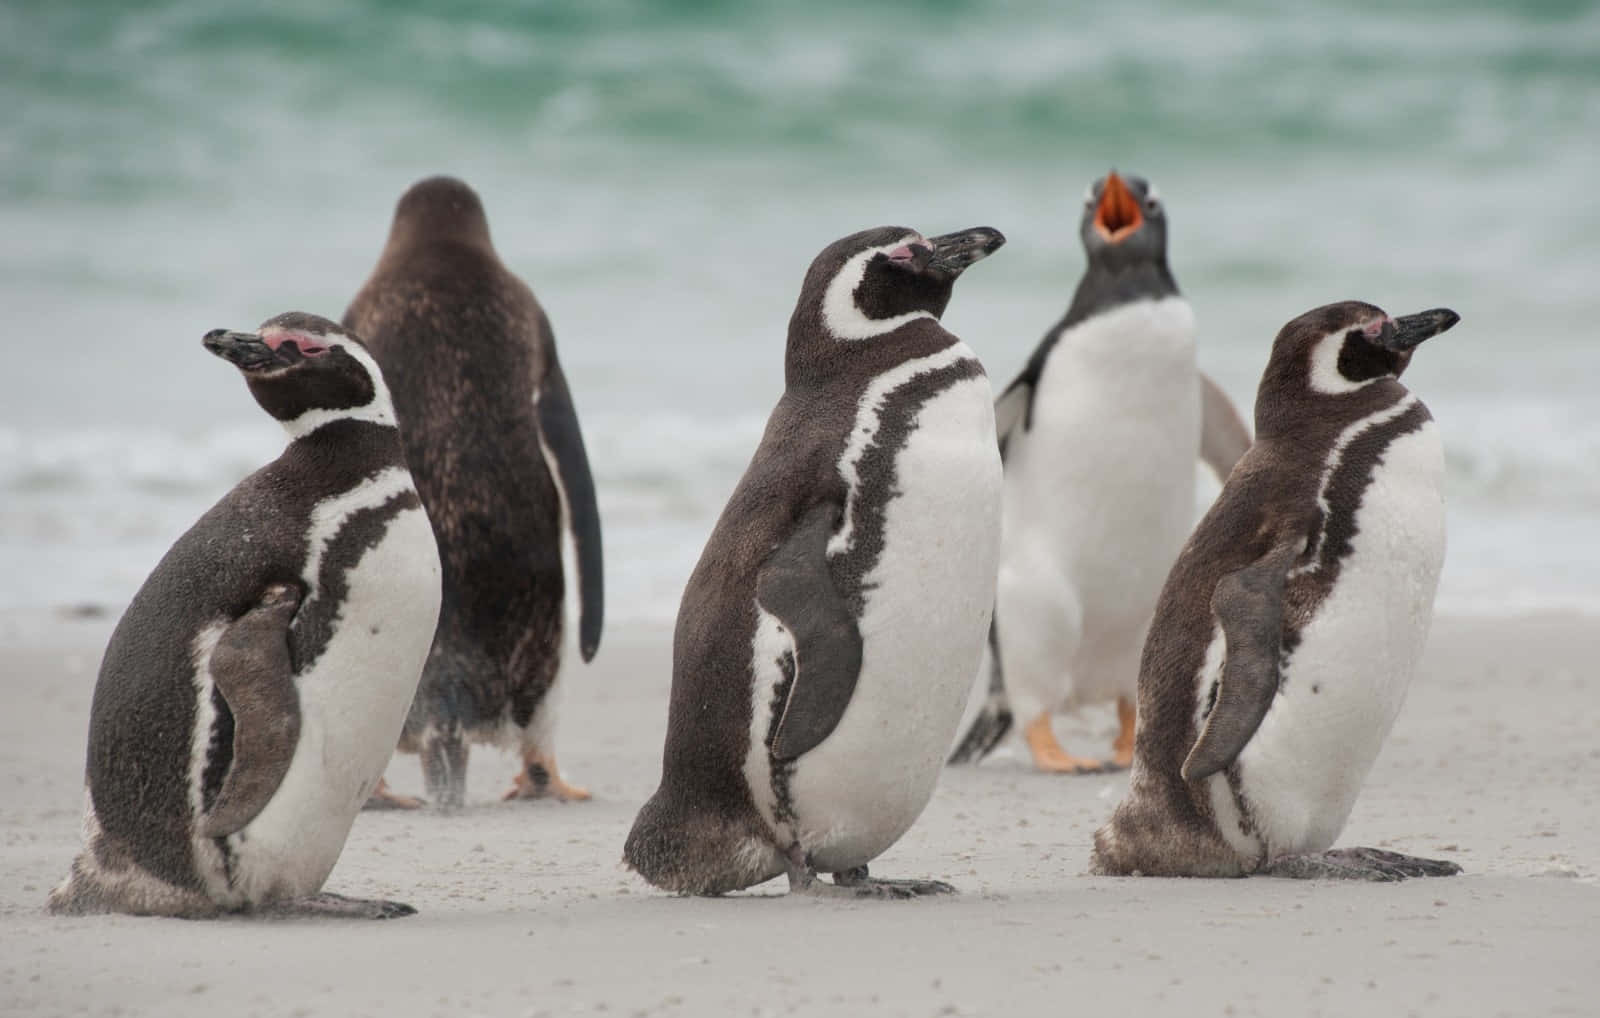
x=689, y=847
x=993, y=720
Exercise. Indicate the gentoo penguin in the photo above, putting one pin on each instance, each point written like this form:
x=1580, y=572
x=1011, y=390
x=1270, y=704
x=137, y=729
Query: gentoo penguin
x=1290, y=625
x=1100, y=434
x=829, y=633
x=492, y=437
x=251, y=694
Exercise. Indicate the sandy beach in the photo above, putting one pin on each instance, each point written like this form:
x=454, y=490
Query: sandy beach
x=524, y=909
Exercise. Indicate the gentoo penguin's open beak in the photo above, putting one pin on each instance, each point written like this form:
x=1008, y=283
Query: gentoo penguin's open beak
x=1118, y=214
x=954, y=252
x=1409, y=330
x=247, y=351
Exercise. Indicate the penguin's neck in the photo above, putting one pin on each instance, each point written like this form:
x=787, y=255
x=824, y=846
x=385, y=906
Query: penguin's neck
x=379, y=410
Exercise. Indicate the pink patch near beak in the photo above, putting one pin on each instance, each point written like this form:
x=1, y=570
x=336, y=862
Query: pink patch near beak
x=903, y=253
x=1374, y=329
x=303, y=343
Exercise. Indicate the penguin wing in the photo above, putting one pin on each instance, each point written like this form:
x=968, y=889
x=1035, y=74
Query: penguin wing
x=568, y=463
x=1011, y=409
x=1248, y=603
x=795, y=585
x=1224, y=438
x=252, y=669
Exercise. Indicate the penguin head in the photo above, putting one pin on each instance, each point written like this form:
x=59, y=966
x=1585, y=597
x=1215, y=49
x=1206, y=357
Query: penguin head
x=439, y=208
x=305, y=371
x=1341, y=348
x=1123, y=221
x=873, y=282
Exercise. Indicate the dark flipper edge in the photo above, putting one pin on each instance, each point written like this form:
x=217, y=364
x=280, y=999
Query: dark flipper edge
x=795, y=586
x=252, y=669
x=558, y=424
x=1249, y=605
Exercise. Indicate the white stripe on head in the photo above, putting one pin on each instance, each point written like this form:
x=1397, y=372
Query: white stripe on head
x=1326, y=377
x=840, y=314
x=378, y=410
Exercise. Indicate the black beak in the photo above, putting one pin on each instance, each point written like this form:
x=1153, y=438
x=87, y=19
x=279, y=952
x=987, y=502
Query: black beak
x=245, y=350
x=1410, y=330
x=954, y=252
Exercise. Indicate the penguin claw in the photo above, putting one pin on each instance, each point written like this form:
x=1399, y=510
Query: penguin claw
x=383, y=797
x=864, y=886
x=335, y=906
x=1373, y=864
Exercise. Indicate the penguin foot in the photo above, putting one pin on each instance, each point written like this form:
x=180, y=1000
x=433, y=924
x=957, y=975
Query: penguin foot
x=1048, y=756
x=384, y=797
x=539, y=779
x=1127, y=723
x=1358, y=864
x=334, y=906
x=863, y=886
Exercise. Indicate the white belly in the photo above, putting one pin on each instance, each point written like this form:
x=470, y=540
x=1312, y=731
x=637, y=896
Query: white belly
x=1099, y=498
x=1344, y=684
x=353, y=702
x=927, y=607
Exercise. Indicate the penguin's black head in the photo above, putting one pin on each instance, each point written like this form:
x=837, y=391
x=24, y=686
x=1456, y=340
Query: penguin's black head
x=305, y=370
x=439, y=208
x=1123, y=221
x=1339, y=349
x=871, y=283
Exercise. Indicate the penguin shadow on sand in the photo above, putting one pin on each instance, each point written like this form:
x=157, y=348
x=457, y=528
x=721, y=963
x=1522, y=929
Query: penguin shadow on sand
x=816, y=683
x=1100, y=433
x=492, y=437
x=248, y=698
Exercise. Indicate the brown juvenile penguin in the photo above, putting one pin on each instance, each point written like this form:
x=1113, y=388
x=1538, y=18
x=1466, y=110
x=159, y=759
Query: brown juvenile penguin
x=492, y=438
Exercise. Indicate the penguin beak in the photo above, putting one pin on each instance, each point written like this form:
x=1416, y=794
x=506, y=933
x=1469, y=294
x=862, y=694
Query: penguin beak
x=1410, y=330
x=247, y=351
x=953, y=253
x=1118, y=214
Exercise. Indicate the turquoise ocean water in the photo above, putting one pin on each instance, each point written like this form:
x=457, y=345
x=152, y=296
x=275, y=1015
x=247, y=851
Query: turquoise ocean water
x=662, y=174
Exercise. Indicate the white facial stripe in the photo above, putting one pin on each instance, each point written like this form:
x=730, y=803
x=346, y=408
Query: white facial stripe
x=1325, y=375
x=839, y=311
x=1336, y=456
x=328, y=517
x=1151, y=194
x=378, y=410
x=866, y=427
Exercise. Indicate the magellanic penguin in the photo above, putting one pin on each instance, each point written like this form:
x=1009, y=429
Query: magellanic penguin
x=1289, y=628
x=1100, y=435
x=252, y=692
x=492, y=437
x=827, y=638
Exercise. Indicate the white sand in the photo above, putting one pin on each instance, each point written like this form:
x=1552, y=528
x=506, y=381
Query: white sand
x=525, y=909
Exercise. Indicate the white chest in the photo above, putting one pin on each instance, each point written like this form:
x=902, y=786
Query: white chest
x=1343, y=685
x=1102, y=484
x=928, y=601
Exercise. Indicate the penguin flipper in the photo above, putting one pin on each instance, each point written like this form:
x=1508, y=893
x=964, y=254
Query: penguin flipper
x=1224, y=438
x=1011, y=409
x=796, y=586
x=1248, y=603
x=252, y=669
x=562, y=441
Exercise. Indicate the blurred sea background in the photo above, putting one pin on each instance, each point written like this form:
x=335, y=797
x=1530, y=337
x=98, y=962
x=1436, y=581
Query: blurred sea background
x=662, y=174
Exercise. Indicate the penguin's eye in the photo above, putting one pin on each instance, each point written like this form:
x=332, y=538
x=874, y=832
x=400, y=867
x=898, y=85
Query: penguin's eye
x=1152, y=204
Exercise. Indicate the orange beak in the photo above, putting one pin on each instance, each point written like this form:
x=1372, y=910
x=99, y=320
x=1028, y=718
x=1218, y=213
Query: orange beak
x=1118, y=214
